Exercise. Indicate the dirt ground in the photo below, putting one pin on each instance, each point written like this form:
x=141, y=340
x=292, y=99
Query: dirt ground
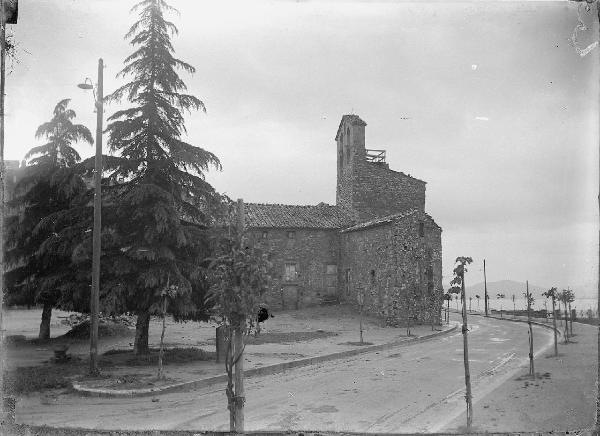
x=289, y=335
x=560, y=397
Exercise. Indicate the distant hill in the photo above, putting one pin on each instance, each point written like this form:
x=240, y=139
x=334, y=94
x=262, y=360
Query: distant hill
x=506, y=287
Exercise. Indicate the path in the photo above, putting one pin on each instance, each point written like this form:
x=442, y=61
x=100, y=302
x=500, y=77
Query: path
x=410, y=389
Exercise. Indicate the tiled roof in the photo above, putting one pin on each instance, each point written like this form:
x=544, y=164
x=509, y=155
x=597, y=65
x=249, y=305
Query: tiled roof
x=352, y=119
x=387, y=220
x=321, y=216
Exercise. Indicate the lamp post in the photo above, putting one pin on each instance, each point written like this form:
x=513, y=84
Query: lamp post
x=95, y=297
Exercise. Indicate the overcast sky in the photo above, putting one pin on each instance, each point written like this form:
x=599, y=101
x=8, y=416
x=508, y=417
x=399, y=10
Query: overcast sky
x=501, y=111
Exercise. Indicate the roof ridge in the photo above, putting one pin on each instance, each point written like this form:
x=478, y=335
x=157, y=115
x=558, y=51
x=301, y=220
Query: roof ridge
x=319, y=216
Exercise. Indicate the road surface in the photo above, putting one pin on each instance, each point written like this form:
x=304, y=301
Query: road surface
x=417, y=388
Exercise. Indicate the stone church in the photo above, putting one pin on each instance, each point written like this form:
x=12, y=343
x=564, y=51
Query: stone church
x=376, y=246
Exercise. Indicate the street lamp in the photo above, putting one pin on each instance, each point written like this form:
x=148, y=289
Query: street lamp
x=95, y=297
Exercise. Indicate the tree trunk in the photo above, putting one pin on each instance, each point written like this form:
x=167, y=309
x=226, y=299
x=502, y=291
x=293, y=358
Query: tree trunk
x=531, y=364
x=566, y=324
x=161, y=374
x=468, y=396
x=239, y=378
x=45, y=324
x=140, y=346
x=229, y=359
x=554, y=325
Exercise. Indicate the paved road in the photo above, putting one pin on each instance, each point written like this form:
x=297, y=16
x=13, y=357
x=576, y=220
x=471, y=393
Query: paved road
x=407, y=389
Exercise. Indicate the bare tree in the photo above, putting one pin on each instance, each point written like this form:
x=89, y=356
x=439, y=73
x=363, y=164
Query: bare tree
x=459, y=281
x=551, y=293
x=530, y=301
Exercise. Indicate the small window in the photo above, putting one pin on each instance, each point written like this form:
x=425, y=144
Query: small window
x=290, y=272
x=372, y=276
x=291, y=235
x=421, y=229
x=265, y=235
x=331, y=269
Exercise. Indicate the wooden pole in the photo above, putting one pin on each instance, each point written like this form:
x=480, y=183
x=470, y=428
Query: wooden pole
x=514, y=307
x=239, y=377
x=565, y=321
x=554, y=325
x=485, y=289
x=466, y=356
x=598, y=281
x=162, y=337
x=238, y=338
x=95, y=297
x=570, y=320
x=531, y=365
x=361, y=324
x=162, y=333
x=2, y=206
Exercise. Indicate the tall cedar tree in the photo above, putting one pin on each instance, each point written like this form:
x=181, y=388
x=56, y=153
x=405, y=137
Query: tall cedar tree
x=38, y=248
x=158, y=204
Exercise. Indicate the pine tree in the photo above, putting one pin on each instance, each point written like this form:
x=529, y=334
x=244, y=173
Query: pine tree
x=158, y=204
x=38, y=248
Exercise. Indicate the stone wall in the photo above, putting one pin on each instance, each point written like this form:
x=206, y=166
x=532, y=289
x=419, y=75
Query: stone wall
x=398, y=271
x=378, y=191
x=371, y=189
x=309, y=251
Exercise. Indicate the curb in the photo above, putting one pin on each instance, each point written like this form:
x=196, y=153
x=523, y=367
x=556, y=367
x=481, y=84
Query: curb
x=265, y=370
x=541, y=324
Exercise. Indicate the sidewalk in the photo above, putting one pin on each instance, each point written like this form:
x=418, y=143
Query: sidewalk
x=560, y=398
x=309, y=336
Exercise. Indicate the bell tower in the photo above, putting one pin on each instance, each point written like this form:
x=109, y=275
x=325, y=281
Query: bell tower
x=366, y=186
x=350, y=139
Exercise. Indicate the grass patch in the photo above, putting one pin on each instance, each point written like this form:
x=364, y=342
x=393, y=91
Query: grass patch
x=171, y=356
x=81, y=332
x=105, y=329
x=590, y=321
x=25, y=380
x=278, y=338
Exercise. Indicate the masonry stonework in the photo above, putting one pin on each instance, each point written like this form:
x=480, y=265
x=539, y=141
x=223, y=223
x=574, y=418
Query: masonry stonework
x=396, y=265
x=379, y=191
x=299, y=264
x=377, y=240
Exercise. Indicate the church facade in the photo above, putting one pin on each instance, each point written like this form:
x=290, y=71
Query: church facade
x=376, y=246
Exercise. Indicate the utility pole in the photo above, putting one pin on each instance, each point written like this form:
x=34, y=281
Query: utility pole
x=8, y=15
x=95, y=298
x=531, y=367
x=514, y=306
x=238, y=345
x=570, y=320
x=2, y=175
x=361, y=300
x=485, y=289
x=554, y=325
